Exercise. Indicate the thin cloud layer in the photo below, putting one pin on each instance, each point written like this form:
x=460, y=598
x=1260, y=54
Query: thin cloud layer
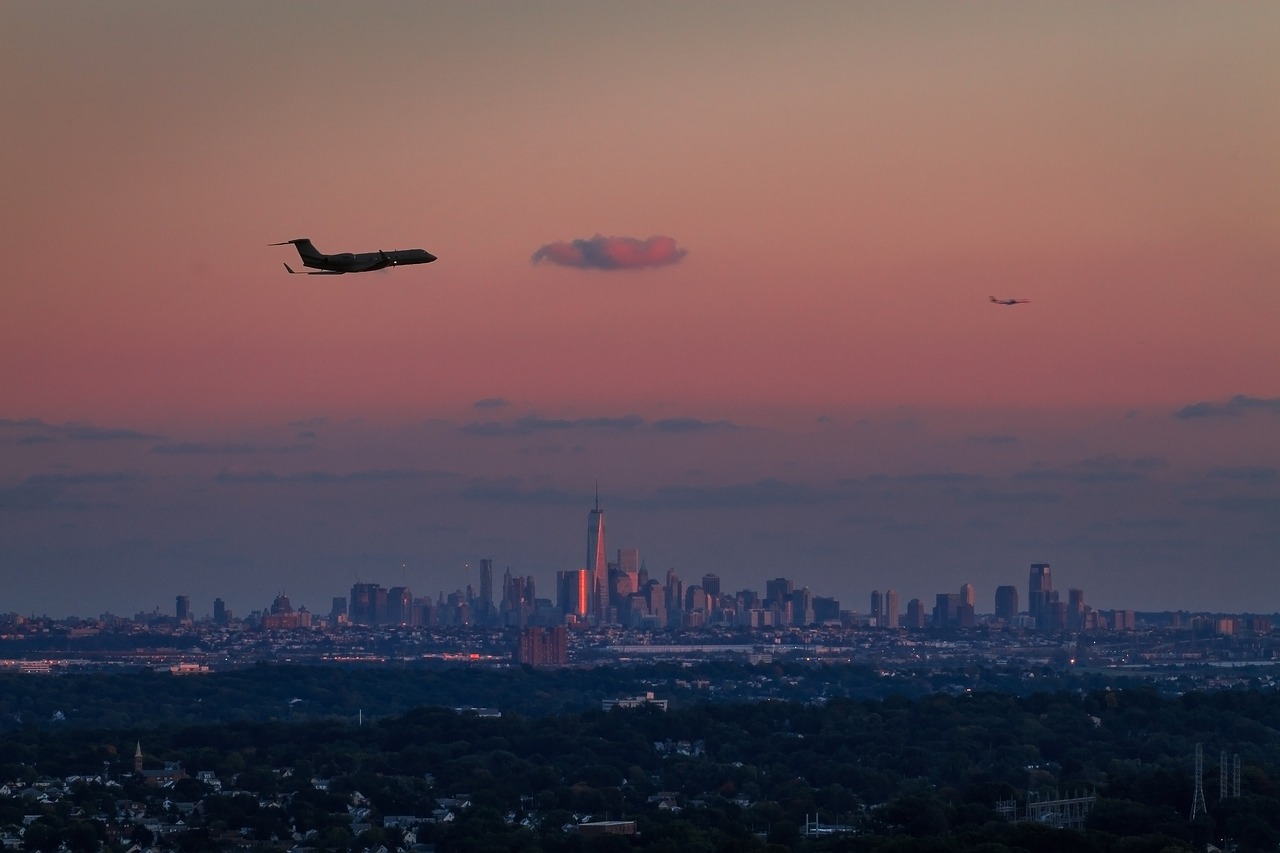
x=1233, y=408
x=533, y=424
x=612, y=253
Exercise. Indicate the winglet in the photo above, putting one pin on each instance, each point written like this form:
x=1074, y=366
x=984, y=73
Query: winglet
x=289, y=268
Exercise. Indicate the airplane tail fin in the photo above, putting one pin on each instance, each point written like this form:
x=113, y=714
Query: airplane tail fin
x=304, y=247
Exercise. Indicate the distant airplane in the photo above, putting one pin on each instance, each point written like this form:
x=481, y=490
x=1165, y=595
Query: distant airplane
x=348, y=262
x=1009, y=301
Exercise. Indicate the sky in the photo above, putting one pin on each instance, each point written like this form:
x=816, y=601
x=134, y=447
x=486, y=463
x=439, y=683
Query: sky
x=731, y=261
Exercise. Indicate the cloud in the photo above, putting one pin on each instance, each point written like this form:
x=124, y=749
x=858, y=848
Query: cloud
x=1233, y=408
x=88, y=433
x=214, y=448
x=1257, y=475
x=994, y=496
x=491, y=403
x=764, y=493
x=996, y=440
x=1101, y=469
x=510, y=490
x=1242, y=503
x=691, y=425
x=376, y=475
x=46, y=491
x=534, y=424
x=75, y=432
x=612, y=253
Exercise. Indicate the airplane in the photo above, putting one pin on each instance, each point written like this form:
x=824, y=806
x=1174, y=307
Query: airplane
x=348, y=262
x=1009, y=301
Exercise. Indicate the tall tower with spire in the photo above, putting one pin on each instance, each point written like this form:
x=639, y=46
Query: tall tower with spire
x=597, y=561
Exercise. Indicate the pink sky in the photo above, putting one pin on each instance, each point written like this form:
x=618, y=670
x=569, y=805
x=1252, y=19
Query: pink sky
x=850, y=182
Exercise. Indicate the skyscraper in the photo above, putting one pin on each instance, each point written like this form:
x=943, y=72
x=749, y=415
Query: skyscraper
x=1006, y=603
x=915, y=614
x=1039, y=593
x=1075, y=609
x=486, y=592
x=629, y=565
x=891, y=608
x=364, y=603
x=183, y=608
x=597, y=562
x=573, y=589
x=400, y=606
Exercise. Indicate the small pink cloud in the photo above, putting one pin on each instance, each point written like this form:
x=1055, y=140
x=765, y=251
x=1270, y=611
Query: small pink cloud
x=612, y=253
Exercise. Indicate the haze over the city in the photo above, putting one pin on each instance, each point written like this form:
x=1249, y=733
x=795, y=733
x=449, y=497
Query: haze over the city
x=732, y=261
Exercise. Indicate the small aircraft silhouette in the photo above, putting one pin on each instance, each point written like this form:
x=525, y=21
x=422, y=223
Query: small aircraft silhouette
x=1009, y=301
x=348, y=262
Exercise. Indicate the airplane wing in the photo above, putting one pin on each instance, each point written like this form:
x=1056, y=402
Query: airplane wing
x=292, y=271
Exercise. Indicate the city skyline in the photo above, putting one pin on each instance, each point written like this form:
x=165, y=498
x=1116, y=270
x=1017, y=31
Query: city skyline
x=573, y=597
x=733, y=261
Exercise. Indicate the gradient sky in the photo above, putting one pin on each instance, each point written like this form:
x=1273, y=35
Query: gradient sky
x=810, y=383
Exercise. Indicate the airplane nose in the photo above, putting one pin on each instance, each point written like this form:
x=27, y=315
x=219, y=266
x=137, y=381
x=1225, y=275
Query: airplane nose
x=430, y=257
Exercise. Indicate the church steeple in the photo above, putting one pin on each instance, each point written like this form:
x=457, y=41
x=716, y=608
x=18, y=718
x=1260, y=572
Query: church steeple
x=137, y=758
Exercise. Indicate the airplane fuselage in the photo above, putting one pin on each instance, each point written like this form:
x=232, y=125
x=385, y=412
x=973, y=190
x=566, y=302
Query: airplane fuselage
x=354, y=262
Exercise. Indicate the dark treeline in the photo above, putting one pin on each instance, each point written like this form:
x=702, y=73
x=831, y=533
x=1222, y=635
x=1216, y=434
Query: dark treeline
x=922, y=773
x=144, y=699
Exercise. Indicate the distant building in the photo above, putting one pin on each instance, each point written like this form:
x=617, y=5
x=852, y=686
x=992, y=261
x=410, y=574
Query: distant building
x=826, y=610
x=368, y=604
x=485, y=607
x=597, y=562
x=1006, y=603
x=543, y=646
x=777, y=592
x=915, y=614
x=596, y=828
x=400, y=606
x=634, y=702
x=1075, y=609
x=1039, y=593
x=891, y=612
x=573, y=593
x=183, y=608
x=946, y=612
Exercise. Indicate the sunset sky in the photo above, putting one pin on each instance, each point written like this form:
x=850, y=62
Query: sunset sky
x=731, y=260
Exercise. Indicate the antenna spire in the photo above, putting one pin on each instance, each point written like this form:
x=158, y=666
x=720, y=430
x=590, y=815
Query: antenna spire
x=597, y=494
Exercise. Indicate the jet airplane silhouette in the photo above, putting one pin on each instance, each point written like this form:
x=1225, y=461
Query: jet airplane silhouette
x=1009, y=301
x=349, y=262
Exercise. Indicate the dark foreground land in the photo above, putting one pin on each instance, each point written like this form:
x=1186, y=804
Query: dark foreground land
x=283, y=758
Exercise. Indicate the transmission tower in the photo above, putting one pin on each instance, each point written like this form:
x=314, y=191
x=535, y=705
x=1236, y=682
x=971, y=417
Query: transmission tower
x=1235, y=777
x=1222, y=775
x=1197, y=800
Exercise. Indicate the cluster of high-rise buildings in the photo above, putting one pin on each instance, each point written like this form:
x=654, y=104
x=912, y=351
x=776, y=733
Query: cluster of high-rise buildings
x=1045, y=609
x=621, y=592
